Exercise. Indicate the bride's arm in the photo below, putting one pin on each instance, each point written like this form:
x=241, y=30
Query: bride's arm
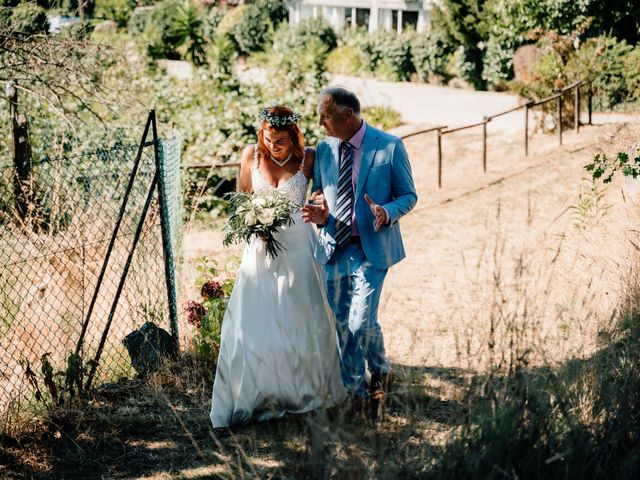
x=309, y=160
x=246, y=162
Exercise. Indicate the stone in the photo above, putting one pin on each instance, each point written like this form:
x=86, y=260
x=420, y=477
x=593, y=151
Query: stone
x=148, y=346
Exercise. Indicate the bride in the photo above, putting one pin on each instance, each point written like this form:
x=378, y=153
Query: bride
x=278, y=349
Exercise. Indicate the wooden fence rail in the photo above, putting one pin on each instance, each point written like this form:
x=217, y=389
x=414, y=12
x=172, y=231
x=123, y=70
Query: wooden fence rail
x=443, y=130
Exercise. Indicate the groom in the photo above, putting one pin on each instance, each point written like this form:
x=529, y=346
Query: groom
x=362, y=185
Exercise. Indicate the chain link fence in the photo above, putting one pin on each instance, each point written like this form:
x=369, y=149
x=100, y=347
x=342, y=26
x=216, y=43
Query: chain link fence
x=52, y=254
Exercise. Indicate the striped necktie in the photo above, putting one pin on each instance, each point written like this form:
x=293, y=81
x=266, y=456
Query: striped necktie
x=345, y=196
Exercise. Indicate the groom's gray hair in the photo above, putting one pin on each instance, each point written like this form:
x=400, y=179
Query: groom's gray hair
x=343, y=98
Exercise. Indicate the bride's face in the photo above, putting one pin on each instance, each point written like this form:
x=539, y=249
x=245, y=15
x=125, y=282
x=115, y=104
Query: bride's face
x=278, y=143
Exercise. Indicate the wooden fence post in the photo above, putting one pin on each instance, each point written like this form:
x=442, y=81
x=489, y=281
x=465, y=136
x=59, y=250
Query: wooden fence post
x=526, y=130
x=21, y=153
x=439, y=158
x=576, y=118
x=590, y=102
x=484, y=144
x=559, y=119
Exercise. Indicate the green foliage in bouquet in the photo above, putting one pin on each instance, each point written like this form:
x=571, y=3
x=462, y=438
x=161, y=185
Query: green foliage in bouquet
x=260, y=217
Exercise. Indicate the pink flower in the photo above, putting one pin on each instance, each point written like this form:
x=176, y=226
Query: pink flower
x=212, y=289
x=195, y=311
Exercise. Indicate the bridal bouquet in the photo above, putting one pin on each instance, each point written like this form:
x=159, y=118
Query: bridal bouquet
x=258, y=217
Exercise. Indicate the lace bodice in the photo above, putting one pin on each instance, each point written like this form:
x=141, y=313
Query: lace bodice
x=294, y=187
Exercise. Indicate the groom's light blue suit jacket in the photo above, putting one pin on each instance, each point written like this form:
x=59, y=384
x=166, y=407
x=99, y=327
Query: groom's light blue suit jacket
x=385, y=175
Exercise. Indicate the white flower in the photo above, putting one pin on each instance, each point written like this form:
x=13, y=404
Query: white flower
x=266, y=216
x=241, y=209
x=258, y=202
x=250, y=218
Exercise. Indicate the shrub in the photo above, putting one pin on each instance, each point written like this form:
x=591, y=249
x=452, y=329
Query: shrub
x=464, y=65
x=222, y=54
x=603, y=60
x=231, y=19
x=206, y=316
x=172, y=29
x=210, y=21
x=276, y=10
x=29, y=18
x=382, y=117
x=462, y=23
x=430, y=55
x=138, y=20
x=252, y=31
x=632, y=74
x=345, y=59
x=388, y=55
x=188, y=33
x=118, y=10
x=286, y=39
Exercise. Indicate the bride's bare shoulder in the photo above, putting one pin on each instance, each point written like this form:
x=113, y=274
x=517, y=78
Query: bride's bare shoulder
x=248, y=155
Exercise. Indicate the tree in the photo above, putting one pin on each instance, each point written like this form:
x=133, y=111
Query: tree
x=462, y=22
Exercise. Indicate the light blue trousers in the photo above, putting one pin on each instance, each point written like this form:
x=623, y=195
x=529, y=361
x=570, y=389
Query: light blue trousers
x=353, y=290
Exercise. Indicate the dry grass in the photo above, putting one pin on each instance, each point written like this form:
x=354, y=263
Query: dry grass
x=515, y=282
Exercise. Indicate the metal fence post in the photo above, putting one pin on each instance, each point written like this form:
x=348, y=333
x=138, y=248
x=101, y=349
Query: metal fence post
x=167, y=248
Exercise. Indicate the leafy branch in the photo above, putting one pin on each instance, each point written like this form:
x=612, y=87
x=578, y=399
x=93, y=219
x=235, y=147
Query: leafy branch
x=604, y=168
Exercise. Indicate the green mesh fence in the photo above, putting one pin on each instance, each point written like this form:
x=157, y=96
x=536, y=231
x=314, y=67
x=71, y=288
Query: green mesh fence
x=51, y=259
x=172, y=209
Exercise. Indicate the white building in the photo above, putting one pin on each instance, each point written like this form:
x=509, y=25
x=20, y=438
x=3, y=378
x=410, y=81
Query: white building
x=374, y=14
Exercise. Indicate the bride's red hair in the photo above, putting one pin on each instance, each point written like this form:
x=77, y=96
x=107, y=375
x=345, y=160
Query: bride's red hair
x=293, y=130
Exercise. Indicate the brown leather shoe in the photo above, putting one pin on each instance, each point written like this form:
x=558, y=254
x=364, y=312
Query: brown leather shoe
x=379, y=391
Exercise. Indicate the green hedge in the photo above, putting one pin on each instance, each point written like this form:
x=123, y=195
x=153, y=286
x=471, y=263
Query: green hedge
x=289, y=38
x=29, y=18
x=117, y=10
x=253, y=30
x=430, y=55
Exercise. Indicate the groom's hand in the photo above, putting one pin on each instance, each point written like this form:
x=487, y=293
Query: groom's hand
x=379, y=213
x=317, y=210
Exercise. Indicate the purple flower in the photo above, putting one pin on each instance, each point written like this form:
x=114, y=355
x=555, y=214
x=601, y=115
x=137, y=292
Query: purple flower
x=195, y=311
x=212, y=289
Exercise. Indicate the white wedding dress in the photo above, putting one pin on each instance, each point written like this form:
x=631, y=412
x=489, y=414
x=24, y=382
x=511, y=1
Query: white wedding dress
x=278, y=349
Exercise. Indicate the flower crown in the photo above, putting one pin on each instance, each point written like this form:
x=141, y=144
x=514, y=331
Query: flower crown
x=276, y=120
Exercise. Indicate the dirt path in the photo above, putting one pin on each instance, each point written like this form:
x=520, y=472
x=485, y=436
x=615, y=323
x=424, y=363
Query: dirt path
x=438, y=300
x=481, y=227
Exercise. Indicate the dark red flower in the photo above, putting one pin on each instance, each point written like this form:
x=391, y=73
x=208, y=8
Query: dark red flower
x=195, y=311
x=212, y=289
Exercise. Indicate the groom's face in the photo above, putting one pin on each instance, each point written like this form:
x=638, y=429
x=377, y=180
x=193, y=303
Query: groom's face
x=334, y=122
